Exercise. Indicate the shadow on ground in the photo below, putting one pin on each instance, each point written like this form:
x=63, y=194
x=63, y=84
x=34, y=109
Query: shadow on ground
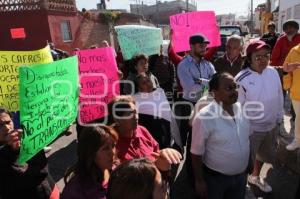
x=61, y=160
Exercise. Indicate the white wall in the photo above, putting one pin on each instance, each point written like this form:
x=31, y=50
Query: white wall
x=287, y=10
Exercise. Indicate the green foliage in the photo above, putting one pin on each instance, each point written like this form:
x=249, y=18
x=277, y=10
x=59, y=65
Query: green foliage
x=110, y=17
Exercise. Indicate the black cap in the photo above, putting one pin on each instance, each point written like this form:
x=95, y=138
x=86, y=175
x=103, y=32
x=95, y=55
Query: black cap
x=198, y=38
x=291, y=22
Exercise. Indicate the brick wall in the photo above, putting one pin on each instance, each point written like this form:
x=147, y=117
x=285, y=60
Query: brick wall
x=56, y=33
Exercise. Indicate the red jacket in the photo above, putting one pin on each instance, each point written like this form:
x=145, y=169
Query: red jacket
x=282, y=48
x=176, y=59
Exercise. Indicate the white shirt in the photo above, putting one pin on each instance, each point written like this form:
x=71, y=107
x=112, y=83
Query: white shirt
x=265, y=89
x=222, y=142
x=156, y=104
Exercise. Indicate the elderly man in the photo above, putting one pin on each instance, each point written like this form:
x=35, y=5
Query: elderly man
x=220, y=143
x=233, y=61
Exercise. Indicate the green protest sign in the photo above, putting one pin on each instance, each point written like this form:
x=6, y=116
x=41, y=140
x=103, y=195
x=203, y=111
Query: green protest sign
x=135, y=39
x=48, y=103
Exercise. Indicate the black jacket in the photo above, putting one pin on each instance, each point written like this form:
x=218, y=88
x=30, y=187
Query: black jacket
x=31, y=180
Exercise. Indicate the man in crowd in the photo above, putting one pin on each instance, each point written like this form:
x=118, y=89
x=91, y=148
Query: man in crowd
x=193, y=72
x=233, y=60
x=220, y=143
x=272, y=36
x=284, y=44
x=260, y=89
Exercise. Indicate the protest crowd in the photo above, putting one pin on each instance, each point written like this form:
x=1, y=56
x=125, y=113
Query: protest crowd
x=139, y=113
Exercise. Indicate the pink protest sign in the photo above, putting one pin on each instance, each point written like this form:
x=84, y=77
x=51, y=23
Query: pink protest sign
x=187, y=24
x=99, y=82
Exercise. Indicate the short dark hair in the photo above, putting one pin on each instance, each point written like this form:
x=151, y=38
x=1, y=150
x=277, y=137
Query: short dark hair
x=214, y=82
x=3, y=110
x=135, y=178
x=117, y=105
x=292, y=23
x=139, y=78
x=139, y=57
x=272, y=24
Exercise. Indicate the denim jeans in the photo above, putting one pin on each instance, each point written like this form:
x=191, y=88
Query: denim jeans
x=225, y=187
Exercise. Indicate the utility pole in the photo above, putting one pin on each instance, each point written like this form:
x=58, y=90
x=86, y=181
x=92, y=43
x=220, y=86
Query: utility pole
x=187, y=5
x=157, y=13
x=251, y=18
x=137, y=7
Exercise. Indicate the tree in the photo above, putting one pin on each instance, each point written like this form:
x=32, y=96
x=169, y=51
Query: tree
x=110, y=18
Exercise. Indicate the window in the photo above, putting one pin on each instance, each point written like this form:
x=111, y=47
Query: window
x=297, y=12
x=66, y=31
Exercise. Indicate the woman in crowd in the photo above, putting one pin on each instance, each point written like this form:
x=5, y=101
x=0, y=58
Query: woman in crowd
x=137, y=179
x=141, y=66
x=30, y=180
x=134, y=140
x=155, y=112
x=88, y=178
x=291, y=82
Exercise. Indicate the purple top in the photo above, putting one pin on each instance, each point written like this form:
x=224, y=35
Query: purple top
x=83, y=188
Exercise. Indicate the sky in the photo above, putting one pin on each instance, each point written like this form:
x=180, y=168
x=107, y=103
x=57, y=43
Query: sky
x=238, y=7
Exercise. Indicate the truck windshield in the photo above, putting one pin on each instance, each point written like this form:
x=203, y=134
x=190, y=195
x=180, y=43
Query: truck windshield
x=228, y=31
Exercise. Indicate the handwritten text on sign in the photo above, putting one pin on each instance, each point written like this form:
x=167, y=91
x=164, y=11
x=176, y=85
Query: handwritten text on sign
x=48, y=103
x=9, y=73
x=187, y=24
x=135, y=39
x=99, y=82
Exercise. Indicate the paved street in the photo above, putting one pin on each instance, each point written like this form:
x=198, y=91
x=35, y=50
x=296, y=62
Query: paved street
x=63, y=155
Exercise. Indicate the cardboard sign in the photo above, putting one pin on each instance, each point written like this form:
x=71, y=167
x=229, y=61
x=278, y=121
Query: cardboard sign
x=99, y=82
x=9, y=73
x=187, y=24
x=49, y=103
x=18, y=33
x=136, y=39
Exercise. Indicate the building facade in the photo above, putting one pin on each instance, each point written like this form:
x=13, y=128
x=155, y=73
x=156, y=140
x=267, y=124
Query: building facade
x=288, y=9
x=31, y=24
x=159, y=13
